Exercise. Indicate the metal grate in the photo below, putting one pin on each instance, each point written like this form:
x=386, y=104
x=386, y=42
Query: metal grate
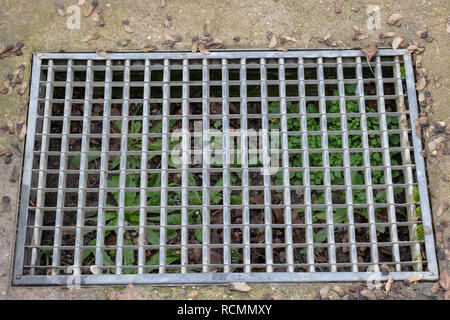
x=259, y=166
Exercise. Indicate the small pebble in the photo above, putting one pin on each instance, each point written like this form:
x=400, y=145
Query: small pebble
x=237, y=39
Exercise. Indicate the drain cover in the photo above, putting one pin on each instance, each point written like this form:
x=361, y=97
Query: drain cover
x=258, y=166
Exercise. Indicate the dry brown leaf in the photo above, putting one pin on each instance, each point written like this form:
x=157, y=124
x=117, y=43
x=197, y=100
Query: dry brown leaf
x=60, y=9
x=443, y=206
x=422, y=33
x=421, y=83
x=194, y=44
x=217, y=43
x=23, y=132
x=368, y=294
x=97, y=16
x=284, y=39
x=386, y=35
x=272, y=39
x=92, y=7
x=413, y=277
x=341, y=293
x=324, y=292
x=239, y=286
x=18, y=70
x=22, y=116
x=324, y=38
x=127, y=27
x=23, y=88
x=389, y=284
x=397, y=41
x=395, y=20
x=90, y=37
x=193, y=294
x=437, y=80
x=15, y=174
x=444, y=280
x=202, y=48
x=419, y=61
x=6, y=152
x=102, y=53
x=130, y=293
x=370, y=51
x=337, y=8
x=147, y=47
x=273, y=296
x=435, y=287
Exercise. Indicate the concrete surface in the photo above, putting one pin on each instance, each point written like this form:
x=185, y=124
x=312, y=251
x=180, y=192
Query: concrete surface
x=38, y=25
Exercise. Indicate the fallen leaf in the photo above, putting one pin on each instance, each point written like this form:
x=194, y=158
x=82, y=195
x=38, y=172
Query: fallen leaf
x=370, y=51
x=441, y=208
x=147, y=47
x=239, y=286
x=389, y=284
x=368, y=294
x=324, y=292
x=284, y=39
x=92, y=7
x=194, y=44
x=395, y=20
x=193, y=294
x=413, y=277
x=127, y=27
x=23, y=88
x=419, y=61
x=421, y=83
x=341, y=293
x=324, y=38
x=217, y=43
x=397, y=41
x=130, y=293
x=6, y=152
x=15, y=174
x=60, y=9
x=90, y=37
x=422, y=33
x=97, y=16
x=202, y=48
x=444, y=280
x=22, y=116
x=337, y=8
x=272, y=39
x=23, y=132
x=273, y=296
x=386, y=35
x=435, y=287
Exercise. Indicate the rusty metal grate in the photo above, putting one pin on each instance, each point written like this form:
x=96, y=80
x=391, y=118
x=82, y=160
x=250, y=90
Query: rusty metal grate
x=259, y=166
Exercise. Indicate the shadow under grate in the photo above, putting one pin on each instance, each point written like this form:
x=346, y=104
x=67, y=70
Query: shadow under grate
x=257, y=166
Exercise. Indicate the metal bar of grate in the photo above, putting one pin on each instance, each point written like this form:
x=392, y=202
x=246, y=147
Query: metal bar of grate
x=318, y=187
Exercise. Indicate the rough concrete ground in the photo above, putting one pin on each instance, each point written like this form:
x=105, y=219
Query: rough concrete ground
x=38, y=25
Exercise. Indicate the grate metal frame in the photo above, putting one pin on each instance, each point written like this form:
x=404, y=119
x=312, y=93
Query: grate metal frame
x=206, y=276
